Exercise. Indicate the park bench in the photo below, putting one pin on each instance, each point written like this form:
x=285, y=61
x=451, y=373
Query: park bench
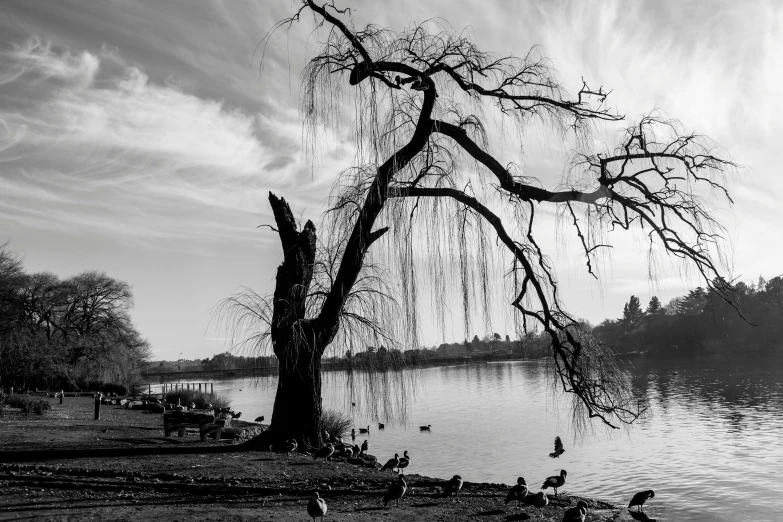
x=204, y=420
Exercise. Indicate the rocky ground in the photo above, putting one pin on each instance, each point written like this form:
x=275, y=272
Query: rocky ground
x=67, y=466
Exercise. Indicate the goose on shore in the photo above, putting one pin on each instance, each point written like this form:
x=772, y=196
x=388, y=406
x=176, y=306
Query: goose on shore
x=316, y=507
x=391, y=464
x=640, y=498
x=425, y=428
x=355, y=450
x=404, y=462
x=453, y=487
x=556, y=481
x=577, y=513
x=290, y=447
x=324, y=453
x=260, y=419
x=365, y=447
x=395, y=492
x=364, y=430
x=558, y=448
x=540, y=501
x=518, y=492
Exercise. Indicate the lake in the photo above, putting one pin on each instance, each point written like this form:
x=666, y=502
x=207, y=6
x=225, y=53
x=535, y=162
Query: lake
x=712, y=448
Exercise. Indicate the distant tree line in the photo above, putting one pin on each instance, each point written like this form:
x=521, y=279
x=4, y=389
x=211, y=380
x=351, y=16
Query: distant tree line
x=701, y=321
x=73, y=333
x=221, y=361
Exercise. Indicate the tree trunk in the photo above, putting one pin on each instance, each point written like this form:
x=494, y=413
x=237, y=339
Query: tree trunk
x=297, y=410
x=296, y=344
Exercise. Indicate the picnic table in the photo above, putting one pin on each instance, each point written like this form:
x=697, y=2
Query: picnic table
x=204, y=420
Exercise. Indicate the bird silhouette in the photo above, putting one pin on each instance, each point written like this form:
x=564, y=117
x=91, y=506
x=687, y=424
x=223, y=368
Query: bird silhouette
x=555, y=482
x=316, y=507
x=353, y=433
x=395, y=492
x=392, y=463
x=381, y=425
x=365, y=446
x=453, y=487
x=425, y=428
x=577, y=513
x=260, y=419
x=640, y=498
x=558, y=448
x=324, y=453
x=518, y=492
x=355, y=450
x=404, y=462
x=364, y=430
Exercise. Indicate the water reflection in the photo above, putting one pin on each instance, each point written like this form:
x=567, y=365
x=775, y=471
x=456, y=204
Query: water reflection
x=713, y=431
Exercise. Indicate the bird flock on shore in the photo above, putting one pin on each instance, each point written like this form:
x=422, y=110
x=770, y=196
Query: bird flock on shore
x=518, y=493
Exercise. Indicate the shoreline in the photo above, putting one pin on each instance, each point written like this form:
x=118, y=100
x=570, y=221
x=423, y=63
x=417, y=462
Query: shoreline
x=69, y=467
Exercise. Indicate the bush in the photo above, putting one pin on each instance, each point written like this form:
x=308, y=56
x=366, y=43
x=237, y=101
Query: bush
x=28, y=405
x=113, y=387
x=337, y=423
x=201, y=399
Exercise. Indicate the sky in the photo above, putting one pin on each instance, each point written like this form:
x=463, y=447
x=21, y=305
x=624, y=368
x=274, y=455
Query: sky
x=141, y=138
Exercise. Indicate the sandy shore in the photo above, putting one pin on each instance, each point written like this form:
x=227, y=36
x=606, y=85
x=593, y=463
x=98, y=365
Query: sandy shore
x=67, y=466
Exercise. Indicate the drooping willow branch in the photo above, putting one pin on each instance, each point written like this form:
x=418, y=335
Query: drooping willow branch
x=420, y=97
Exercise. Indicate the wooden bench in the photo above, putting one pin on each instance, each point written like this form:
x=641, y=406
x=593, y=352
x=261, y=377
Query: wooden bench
x=204, y=420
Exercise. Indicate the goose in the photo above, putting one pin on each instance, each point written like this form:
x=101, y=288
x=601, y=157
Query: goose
x=365, y=447
x=316, y=507
x=395, y=492
x=324, y=453
x=392, y=463
x=353, y=433
x=381, y=426
x=518, y=492
x=540, y=501
x=355, y=450
x=558, y=448
x=404, y=462
x=260, y=419
x=236, y=415
x=640, y=498
x=453, y=487
x=555, y=482
x=290, y=447
x=364, y=430
x=425, y=428
x=576, y=514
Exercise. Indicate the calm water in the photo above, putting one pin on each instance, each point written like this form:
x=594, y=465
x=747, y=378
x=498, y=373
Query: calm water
x=712, y=448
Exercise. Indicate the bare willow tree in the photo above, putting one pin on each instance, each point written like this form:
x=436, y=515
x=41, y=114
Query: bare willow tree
x=430, y=197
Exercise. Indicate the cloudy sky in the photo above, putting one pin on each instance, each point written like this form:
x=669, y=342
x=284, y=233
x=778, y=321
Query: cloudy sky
x=140, y=138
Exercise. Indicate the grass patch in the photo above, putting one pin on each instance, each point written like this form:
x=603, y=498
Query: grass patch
x=337, y=423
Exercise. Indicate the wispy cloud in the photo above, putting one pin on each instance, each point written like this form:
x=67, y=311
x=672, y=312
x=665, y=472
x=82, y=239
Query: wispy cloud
x=96, y=144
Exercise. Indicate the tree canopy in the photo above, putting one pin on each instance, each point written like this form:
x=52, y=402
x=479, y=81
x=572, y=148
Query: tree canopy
x=69, y=333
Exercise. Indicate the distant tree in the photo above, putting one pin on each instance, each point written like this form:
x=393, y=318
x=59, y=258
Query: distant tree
x=632, y=311
x=654, y=307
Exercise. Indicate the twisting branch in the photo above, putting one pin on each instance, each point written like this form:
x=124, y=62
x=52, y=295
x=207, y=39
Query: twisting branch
x=428, y=191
